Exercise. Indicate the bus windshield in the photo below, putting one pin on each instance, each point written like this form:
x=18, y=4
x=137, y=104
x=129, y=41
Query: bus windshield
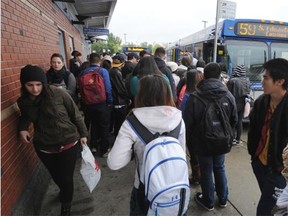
x=252, y=54
x=279, y=50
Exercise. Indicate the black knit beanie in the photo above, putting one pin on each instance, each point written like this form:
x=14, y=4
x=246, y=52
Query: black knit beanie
x=32, y=73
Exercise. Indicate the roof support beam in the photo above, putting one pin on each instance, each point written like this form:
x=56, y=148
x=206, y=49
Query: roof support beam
x=81, y=18
x=77, y=22
x=69, y=1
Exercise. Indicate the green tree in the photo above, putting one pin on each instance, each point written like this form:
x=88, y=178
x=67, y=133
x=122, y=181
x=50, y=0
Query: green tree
x=145, y=44
x=112, y=45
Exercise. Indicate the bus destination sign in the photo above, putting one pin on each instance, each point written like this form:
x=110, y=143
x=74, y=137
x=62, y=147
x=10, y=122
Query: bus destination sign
x=261, y=30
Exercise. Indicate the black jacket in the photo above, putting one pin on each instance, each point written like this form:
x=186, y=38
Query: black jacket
x=278, y=130
x=240, y=89
x=119, y=92
x=207, y=89
x=165, y=70
x=127, y=69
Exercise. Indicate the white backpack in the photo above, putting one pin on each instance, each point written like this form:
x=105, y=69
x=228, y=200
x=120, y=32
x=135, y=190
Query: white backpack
x=164, y=177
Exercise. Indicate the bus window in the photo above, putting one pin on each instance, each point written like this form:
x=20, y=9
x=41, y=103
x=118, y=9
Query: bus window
x=252, y=54
x=279, y=50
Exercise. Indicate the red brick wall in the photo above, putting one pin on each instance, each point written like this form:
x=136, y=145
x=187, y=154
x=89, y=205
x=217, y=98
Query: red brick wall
x=29, y=35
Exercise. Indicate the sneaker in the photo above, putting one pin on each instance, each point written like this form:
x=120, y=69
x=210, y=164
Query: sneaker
x=194, y=181
x=93, y=150
x=236, y=142
x=222, y=203
x=200, y=201
x=65, y=210
x=105, y=155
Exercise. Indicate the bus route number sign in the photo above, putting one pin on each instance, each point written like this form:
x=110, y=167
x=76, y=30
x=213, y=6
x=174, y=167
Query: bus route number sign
x=261, y=30
x=135, y=49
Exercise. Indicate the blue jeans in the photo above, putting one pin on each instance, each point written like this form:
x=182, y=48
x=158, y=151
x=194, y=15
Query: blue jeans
x=208, y=166
x=268, y=182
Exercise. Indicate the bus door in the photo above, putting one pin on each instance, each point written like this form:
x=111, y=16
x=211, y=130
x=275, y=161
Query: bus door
x=252, y=54
x=279, y=50
x=208, y=52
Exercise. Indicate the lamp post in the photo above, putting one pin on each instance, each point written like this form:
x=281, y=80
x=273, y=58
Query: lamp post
x=216, y=32
x=205, y=22
x=125, y=38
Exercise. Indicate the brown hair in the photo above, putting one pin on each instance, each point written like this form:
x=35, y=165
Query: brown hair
x=154, y=90
x=148, y=66
x=193, y=77
x=58, y=55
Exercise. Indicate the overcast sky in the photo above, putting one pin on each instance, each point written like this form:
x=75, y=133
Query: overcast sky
x=164, y=21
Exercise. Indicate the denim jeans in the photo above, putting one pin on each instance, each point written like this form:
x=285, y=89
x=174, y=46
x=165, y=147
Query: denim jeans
x=210, y=165
x=268, y=182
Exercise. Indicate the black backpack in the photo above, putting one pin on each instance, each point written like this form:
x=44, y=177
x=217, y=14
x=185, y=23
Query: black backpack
x=216, y=133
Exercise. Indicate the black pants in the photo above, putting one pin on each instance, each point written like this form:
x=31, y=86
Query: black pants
x=239, y=125
x=61, y=167
x=100, y=128
x=119, y=116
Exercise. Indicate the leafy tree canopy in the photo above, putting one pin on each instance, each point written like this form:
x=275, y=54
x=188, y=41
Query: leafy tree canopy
x=113, y=45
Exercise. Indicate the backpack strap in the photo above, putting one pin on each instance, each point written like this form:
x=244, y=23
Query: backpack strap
x=140, y=129
x=199, y=98
x=145, y=134
x=206, y=102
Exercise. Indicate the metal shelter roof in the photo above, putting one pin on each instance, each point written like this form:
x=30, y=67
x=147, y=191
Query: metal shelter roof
x=97, y=12
x=90, y=13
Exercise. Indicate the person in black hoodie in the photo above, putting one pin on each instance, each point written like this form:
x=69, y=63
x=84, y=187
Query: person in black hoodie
x=159, y=57
x=210, y=88
x=239, y=86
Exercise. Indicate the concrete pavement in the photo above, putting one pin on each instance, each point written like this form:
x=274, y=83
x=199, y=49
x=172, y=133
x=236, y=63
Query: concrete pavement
x=112, y=194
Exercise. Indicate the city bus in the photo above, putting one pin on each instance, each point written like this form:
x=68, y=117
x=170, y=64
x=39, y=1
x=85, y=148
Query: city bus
x=136, y=50
x=240, y=41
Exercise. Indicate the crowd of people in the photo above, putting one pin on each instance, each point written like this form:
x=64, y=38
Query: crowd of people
x=161, y=94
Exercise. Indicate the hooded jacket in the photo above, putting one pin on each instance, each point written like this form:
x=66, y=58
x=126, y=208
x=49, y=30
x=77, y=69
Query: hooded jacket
x=156, y=119
x=239, y=86
x=56, y=119
x=166, y=71
x=207, y=89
